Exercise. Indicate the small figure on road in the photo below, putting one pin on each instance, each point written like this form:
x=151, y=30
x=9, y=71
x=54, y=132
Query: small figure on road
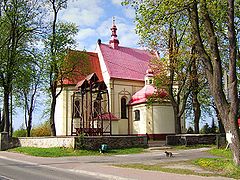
x=168, y=154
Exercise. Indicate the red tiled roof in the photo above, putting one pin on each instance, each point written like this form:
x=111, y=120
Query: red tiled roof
x=126, y=63
x=83, y=70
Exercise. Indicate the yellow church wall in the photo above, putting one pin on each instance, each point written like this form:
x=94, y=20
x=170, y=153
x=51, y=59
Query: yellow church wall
x=163, y=119
x=122, y=88
x=156, y=119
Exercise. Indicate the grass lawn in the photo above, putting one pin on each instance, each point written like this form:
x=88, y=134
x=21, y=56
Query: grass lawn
x=60, y=152
x=223, y=166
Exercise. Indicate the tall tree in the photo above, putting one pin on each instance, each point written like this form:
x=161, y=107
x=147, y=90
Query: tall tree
x=211, y=57
x=57, y=43
x=18, y=23
x=31, y=77
x=170, y=38
x=216, y=47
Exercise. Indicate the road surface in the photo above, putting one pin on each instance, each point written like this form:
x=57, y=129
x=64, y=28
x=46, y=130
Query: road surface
x=13, y=170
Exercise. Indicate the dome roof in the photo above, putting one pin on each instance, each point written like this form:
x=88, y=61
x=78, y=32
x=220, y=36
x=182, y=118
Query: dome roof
x=147, y=91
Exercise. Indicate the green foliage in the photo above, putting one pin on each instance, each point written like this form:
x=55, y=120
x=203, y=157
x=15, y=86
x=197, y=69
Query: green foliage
x=206, y=129
x=223, y=167
x=20, y=132
x=41, y=130
x=221, y=152
x=18, y=25
x=80, y=142
x=190, y=130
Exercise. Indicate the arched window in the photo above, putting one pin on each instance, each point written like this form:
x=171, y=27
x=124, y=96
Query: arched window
x=137, y=115
x=76, y=109
x=123, y=108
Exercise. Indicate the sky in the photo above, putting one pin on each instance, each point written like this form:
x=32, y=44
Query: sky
x=94, y=20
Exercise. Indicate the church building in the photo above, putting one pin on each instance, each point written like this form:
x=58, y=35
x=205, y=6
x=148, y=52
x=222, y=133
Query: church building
x=112, y=99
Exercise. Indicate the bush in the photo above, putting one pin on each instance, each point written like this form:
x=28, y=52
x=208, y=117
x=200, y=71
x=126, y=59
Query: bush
x=190, y=130
x=20, y=133
x=43, y=129
x=206, y=129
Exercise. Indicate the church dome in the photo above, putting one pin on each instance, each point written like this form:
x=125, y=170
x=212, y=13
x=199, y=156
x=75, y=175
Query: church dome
x=149, y=72
x=142, y=95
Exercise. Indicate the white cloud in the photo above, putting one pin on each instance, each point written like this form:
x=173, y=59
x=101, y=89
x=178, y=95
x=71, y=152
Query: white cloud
x=82, y=12
x=86, y=33
x=126, y=33
x=129, y=12
x=117, y=2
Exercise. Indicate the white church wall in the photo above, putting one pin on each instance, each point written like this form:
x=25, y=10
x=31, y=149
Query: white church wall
x=63, y=114
x=105, y=74
x=59, y=113
x=163, y=119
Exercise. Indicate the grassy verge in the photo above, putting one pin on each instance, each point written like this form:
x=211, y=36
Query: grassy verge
x=60, y=152
x=223, y=166
x=162, y=167
x=192, y=147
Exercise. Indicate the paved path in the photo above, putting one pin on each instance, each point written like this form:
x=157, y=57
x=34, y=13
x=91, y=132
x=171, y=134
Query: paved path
x=101, y=166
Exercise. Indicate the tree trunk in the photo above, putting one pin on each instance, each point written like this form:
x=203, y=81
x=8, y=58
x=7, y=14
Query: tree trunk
x=6, y=113
x=2, y=122
x=53, y=107
x=178, y=129
x=220, y=124
x=195, y=91
x=227, y=110
x=172, y=70
x=197, y=113
x=233, y=91
x=29, y=123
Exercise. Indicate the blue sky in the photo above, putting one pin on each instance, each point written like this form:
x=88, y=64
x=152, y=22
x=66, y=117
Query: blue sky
x=94, y=20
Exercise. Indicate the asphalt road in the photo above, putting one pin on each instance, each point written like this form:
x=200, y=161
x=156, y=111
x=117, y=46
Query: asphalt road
x=12, y=170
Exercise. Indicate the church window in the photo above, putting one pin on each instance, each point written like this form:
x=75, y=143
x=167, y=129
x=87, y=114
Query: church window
x=76, y=109
x=137, y=115
x=123, y=108
x=96, y=109
x=150, y=81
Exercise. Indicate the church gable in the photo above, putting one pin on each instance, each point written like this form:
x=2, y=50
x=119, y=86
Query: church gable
x=87, y=63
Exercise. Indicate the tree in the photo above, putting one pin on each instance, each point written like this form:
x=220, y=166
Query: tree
x=215, y=43
x=211, y=57
x=31, y=77
x=57, y=42
x=170, y=36
x=18, y=23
